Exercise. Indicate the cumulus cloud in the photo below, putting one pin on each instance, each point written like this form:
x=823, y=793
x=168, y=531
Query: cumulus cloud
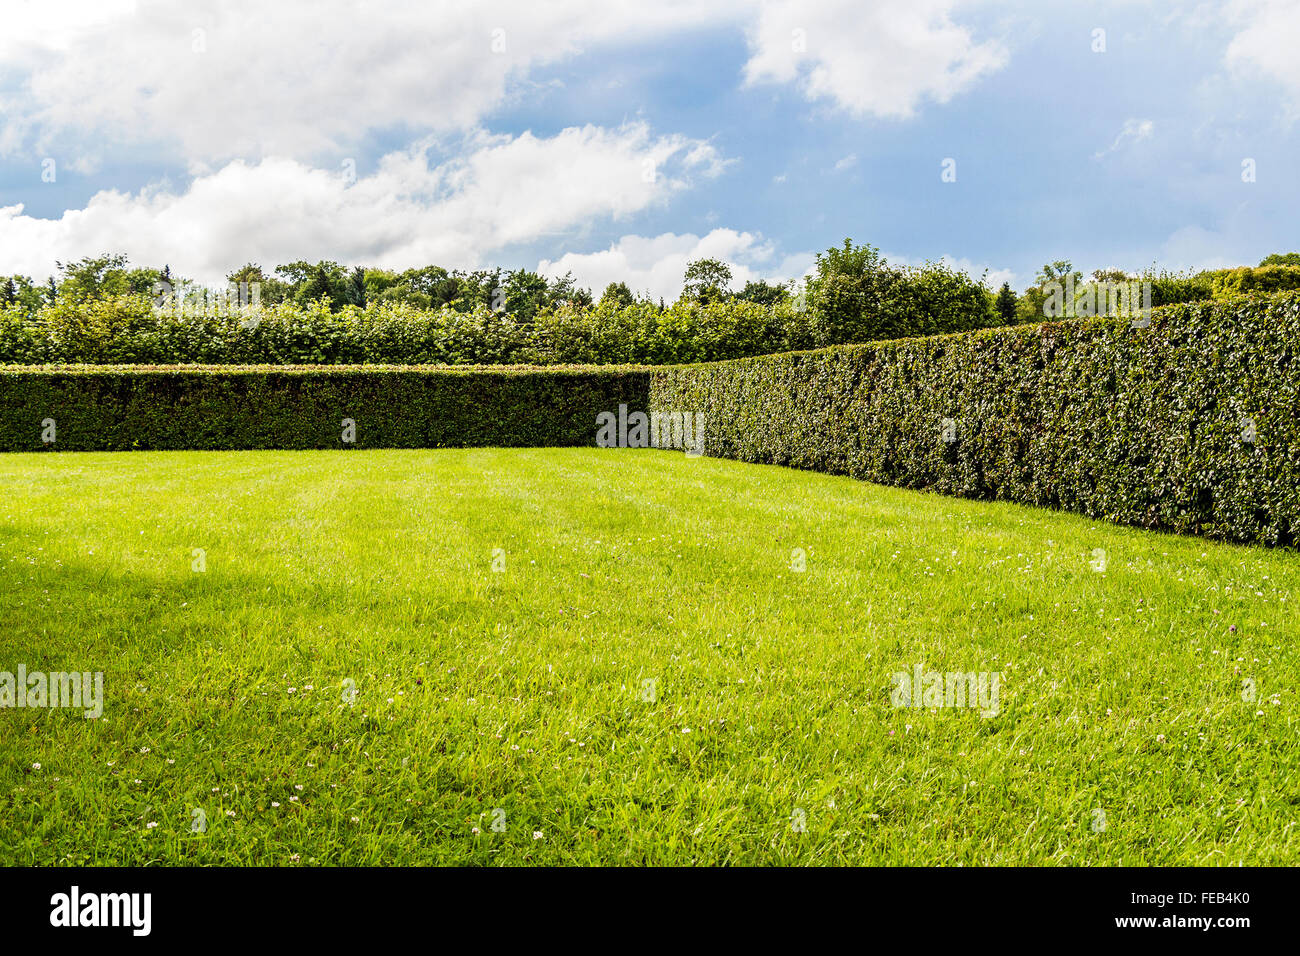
x=1194, y=247
x=1133, y=131
x=301, y=78
x=656, y=264
x=1265, y=43
x=498, y=191
x=260, y=102
x=882, y=59
x=295, y=77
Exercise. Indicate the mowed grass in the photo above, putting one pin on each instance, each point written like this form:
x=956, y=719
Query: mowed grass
x=1126, y=733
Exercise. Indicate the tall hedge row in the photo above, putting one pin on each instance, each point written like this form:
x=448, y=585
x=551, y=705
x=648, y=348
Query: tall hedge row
x=122, y=408
x=1190, y=424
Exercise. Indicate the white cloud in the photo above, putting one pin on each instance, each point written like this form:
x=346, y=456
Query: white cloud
x=656, y=264
x=1266, y=42
x=1133, y=130
x=846, y=162
x=32, y=26
x=261, y=100
x=500, y=191
x=303, y=78
x=881, y=58
x=993, y=279
x=1194, y=248
x=294, y=78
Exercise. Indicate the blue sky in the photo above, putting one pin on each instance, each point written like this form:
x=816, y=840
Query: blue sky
x=620, y=140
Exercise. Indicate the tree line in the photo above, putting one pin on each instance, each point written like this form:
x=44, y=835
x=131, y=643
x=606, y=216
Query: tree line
x=847, y=283
x=520, y=292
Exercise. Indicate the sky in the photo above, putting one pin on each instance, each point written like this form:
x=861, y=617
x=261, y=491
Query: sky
x=620, y=140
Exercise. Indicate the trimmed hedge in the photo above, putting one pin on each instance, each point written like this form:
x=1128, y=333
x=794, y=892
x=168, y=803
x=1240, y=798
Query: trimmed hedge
x=1190, y=424
x=120, y=408
x=1142, y=426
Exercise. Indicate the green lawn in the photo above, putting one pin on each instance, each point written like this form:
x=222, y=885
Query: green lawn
x=1121, y=690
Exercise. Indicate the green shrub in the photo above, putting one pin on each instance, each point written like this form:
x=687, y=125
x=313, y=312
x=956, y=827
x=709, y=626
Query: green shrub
x=1281, y=259
x=1144, y=426
x=856, y=296
x=121, y=408
x=1168, y=288
x=126, y=329
x=1230, y=282
x=1171, y=288
x=22, y=340
x=933, y=299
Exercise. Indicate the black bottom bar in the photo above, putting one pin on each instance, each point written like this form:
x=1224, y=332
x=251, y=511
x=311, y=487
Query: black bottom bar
x=1216, y=908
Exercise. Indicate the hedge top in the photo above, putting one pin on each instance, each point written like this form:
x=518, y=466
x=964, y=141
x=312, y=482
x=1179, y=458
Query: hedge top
x=99, y=370
x=1068, y=326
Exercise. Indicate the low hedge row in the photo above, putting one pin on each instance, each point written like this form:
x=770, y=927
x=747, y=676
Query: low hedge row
x=1190, y=424
x=120, y=408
